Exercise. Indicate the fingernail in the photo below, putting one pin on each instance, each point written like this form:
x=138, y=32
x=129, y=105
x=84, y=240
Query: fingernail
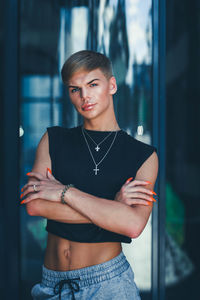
x=22, y=189
x=21, y=196
x=149, y=203
x=28, y=173
x=49, y=170
x=149, y=182
x=154, y=200
x=22, y=201
x=129, y=179
x=153, y=193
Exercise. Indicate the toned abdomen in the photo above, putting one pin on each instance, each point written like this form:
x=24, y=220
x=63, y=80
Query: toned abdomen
x=64, y=255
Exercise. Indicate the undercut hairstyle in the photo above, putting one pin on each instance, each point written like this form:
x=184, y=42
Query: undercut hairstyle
x=86, y=60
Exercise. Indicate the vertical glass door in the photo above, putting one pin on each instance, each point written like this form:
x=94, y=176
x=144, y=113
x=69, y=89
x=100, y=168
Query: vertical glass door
x=50, y=31
x=123, y=31
x=182, y=270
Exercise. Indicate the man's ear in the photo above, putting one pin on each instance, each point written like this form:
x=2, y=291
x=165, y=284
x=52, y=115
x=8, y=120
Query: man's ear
x=112, y=85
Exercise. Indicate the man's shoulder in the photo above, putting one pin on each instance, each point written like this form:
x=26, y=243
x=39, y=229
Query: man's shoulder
x=131, y=141
x=62, y=129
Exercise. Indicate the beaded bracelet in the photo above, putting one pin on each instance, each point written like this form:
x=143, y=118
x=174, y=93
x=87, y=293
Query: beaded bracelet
x=64, y=191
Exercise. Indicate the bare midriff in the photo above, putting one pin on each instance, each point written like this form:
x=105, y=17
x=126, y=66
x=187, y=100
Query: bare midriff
x=64, y=255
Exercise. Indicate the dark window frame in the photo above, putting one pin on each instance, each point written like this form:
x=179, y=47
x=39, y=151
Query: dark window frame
x=10, y=221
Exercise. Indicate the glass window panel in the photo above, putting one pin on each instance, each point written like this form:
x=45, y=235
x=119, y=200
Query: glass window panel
x=124, y=33
x=49, y=31
x=182, y=273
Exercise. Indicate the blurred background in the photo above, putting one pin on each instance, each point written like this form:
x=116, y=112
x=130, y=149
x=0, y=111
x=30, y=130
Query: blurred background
x=154, y=47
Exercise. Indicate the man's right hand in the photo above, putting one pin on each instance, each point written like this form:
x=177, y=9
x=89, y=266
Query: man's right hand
x=135, y=193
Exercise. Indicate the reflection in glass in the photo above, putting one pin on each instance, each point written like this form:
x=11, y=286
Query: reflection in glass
x=49, y=33
x=183, y=147
x=124, y=33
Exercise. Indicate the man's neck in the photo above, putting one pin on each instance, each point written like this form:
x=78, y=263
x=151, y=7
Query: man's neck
x=101, y=126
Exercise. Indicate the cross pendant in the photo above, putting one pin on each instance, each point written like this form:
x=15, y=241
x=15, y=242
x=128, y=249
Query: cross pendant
x=95, y=170
x=97, y=148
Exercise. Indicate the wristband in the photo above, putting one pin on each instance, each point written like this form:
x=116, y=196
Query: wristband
x=64, y=191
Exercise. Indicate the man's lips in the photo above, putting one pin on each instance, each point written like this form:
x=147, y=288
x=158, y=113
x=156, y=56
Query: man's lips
x=88, y=106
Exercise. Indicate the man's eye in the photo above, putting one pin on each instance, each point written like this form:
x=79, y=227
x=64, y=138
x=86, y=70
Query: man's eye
x=93, y=84
x=74, y=90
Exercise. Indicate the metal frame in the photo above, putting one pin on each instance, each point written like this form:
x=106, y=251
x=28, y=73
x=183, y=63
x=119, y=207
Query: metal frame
x=9, y=273
x=159, y=135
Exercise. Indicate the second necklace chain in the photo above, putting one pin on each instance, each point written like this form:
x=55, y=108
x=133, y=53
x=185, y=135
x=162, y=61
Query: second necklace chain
x=97, y=148
x=95, y=163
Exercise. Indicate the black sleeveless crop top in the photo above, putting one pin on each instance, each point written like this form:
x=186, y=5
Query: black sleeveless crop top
x=72, y=163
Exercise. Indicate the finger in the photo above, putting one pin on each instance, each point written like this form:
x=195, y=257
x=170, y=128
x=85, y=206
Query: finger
x=132, y=189
x=30, y=186
x=140, y=202
x=140, y=196
x=30, y=183
x=34, y=187
x=129, y=180
x=36, y=175
x=139, y=182
x=29, y=190
x=49, y=174
x=29, y=198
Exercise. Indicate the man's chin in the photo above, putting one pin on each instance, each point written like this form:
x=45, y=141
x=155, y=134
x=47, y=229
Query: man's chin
x=89, y=114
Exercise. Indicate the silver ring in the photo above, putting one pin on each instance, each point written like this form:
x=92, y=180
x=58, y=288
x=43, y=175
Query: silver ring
x=34, y=187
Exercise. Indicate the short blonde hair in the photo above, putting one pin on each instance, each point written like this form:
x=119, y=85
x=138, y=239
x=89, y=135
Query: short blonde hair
x=87, y=60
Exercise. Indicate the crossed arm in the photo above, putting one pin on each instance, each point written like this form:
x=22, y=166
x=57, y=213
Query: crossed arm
x=127, y=215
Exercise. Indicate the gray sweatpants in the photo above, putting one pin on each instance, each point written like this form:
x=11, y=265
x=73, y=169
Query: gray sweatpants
x=112, y=280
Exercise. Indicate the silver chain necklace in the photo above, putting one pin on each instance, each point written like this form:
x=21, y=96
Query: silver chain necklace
x=97, y=148
x=97, y=164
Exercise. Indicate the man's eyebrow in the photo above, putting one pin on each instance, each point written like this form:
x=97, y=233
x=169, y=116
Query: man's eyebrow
x=74, y=86
x=93, y=80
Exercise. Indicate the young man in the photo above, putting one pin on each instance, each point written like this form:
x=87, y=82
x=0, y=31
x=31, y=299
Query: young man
x=90, y=200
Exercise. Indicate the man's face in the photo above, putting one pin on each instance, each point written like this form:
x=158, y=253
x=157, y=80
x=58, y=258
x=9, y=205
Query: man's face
x=91, y=92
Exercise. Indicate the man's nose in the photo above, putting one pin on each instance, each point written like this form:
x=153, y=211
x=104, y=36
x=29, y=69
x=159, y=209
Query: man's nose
x=84, y=93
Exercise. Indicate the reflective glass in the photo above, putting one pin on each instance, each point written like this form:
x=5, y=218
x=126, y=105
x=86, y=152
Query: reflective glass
x=182, y=273
x=124, y=33
x=49, y=31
